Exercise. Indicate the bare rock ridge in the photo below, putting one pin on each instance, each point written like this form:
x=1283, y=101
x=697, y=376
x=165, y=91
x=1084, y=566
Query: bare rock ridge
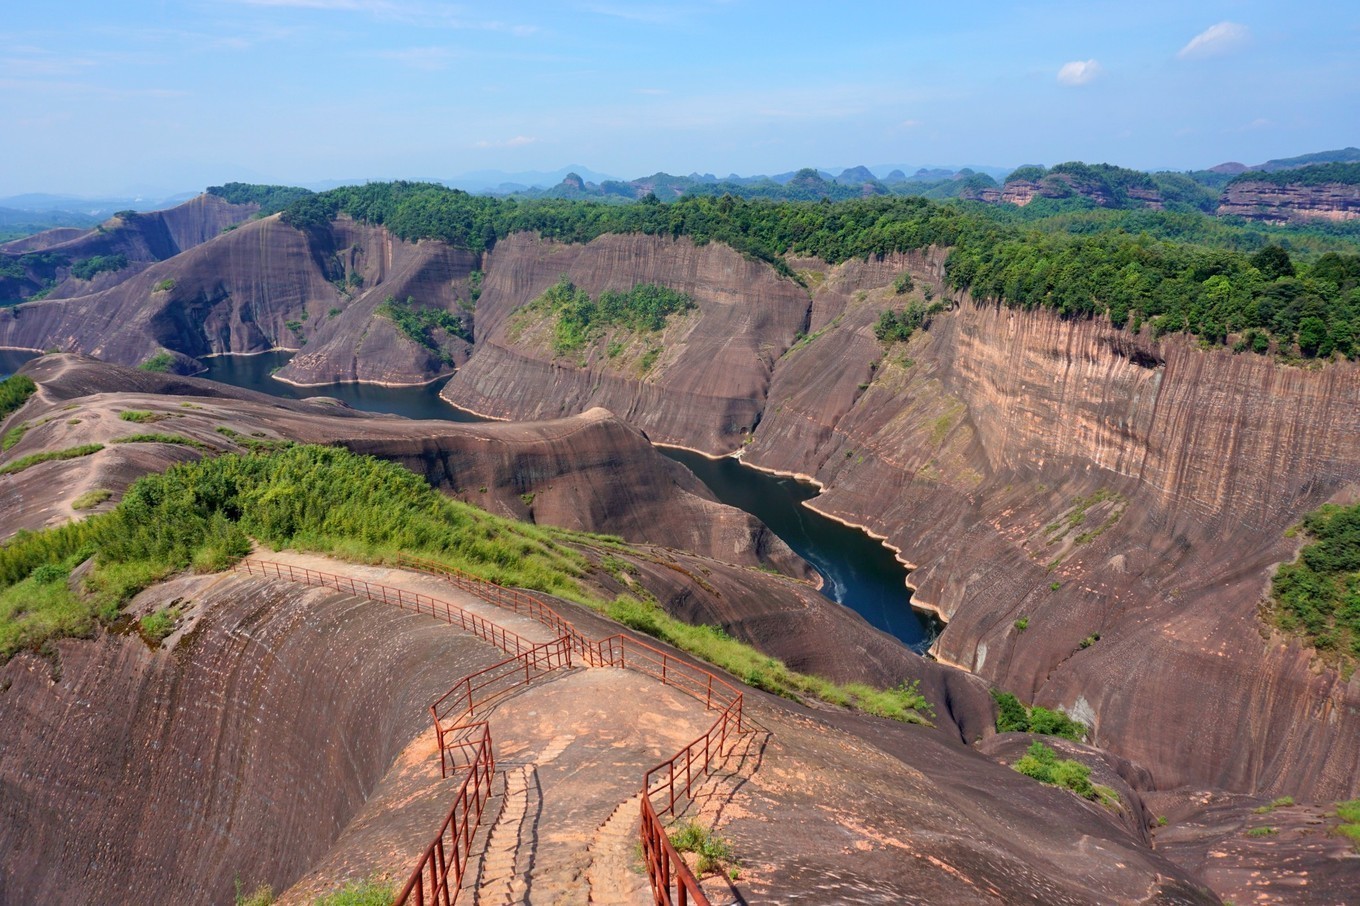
x=1274, y=203
x=250, y=744
x=156, y=776
x=705, y=390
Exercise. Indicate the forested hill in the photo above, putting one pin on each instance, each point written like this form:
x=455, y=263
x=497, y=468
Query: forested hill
x=1263, y=289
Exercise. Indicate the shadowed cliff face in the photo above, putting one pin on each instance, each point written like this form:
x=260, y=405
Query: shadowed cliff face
x=159, y=776
x=707, y=387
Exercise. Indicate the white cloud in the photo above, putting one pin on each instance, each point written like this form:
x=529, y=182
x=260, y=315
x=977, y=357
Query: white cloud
x=519, y=141
x=1214, y=40
x=910, y=124
x=1079, y=72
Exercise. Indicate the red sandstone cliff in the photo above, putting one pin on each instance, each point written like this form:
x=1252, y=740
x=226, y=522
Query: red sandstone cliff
x=1275, y=203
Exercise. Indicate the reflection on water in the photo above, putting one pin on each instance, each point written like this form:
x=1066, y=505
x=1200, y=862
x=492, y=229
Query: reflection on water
x=253, y=372
x=12, y=360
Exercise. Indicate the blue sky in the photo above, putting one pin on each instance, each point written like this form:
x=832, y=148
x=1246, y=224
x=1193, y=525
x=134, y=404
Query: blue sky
x=101, y=97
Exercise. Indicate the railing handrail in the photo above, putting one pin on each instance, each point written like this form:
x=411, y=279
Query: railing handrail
x=519, y=600
x=487, y=630
x=664, y=864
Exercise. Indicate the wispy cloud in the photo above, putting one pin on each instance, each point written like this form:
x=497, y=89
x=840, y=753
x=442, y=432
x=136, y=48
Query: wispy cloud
x=1215, y=40
x=426, y=59
x=519, y=141
x=650, y=15
x=411, y=12
x=1079, y=72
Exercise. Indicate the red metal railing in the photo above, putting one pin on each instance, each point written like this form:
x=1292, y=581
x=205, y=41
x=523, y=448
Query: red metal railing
x=666, y=870
x=439, y=872
x=452, y=710
x=438, y=875
x=520, y=602
x=481, y=627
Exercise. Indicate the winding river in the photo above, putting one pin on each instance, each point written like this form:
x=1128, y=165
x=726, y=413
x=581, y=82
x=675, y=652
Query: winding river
x=859, y=572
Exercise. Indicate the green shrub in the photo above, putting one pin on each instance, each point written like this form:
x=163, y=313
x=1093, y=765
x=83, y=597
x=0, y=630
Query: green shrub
x=164, y=286
x=580, y=320
x=1044, y=765
x=1014, y=717
x=1317, y=596
x=98, y=264
x=1262, y=831
x=160, y=363
x=157, y=627
x=713, y=851
x=14, y=392
x=260, y=896
x=159, y=438
x=416, y=324
x=903, y=284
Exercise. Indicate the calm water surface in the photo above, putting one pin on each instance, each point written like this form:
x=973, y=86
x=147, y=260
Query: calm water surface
x=858, y=571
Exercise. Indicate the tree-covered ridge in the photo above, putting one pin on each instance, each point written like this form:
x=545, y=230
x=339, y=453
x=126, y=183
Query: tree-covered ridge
x=1314, y=175
x=271, y=199
x=1318, y=595
x=1134, y=279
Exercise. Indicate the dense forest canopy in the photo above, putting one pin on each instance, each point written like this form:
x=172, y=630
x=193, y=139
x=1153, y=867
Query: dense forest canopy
x=1217, y=284
x=1315, y=175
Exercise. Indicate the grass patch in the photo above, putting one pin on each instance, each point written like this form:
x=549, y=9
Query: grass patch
x=14, y=392
x=202, y=514
x=1282, y=802
x=14, y=435
x=1013, y=717
x=91, y=499
x=1349, y=813
x=157, y=627
x=710, y=643
x=164, y=286
x=141, y=416
x=32, y=460
x=156, y=438
x=1262, y=831
x=260, y=896
x=369, y=892
x=1317, y=597
x=714, y=852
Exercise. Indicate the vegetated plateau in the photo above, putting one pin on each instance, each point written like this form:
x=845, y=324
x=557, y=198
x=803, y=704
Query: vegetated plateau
x=1090, y=418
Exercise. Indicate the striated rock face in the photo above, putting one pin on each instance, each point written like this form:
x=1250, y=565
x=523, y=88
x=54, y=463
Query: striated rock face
x=706, y=389
x=161, y=776
x=1094, y=483
x=262, y=286
x=1021, y=192
x=143, y=238
x=1275, y=203
x=590, y=472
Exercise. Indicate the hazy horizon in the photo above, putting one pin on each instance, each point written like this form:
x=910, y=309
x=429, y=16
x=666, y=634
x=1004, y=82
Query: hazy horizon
x=104, y=100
